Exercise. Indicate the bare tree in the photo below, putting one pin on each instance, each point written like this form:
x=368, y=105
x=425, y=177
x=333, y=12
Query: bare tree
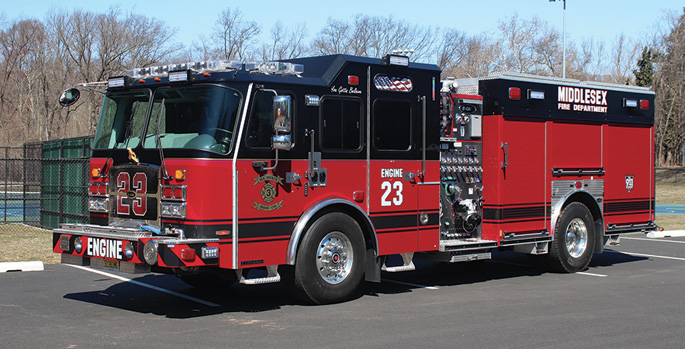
x=548, y=49
x=449, y=50
x=23, y=58
x=201, y=50
x=233, y=35
x=623, y=60
x=285, y=43
x=518, y=40
x=478, y=54
x=464, y=56
x=374, y=36
x=333, y=38
x=669, y=85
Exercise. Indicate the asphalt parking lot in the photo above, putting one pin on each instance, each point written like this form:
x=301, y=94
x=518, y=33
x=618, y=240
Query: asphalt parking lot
x=632, y=296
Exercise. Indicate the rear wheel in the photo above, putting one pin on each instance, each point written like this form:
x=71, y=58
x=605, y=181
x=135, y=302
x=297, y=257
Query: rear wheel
x=330, y=261
x=574, y=238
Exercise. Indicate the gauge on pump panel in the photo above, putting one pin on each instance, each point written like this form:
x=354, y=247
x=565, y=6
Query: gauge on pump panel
x=468, y=108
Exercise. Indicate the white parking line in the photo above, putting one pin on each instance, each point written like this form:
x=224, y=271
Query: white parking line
x=164, y=290
x=21, y=266
x=410, y=284
x=650, y=255
x=591, y=274
x=654, y=239
x=666, y=233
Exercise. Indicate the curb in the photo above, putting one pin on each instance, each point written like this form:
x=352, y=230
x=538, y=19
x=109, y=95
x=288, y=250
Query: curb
x=21, y=266
x=666, y=234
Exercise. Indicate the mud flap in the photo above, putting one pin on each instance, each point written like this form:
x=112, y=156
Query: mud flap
x=372, y=272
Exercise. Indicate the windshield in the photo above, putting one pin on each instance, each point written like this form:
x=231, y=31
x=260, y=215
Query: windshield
x=192, y=117
x=197, y=117
x=122, y=119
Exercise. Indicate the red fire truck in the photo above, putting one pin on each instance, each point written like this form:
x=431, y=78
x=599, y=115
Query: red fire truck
x=325, y=171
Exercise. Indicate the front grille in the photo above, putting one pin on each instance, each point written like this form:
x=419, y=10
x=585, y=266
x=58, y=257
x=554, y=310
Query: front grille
x=134, y=192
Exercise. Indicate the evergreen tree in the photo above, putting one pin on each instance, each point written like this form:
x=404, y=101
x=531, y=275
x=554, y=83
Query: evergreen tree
x=644, y=74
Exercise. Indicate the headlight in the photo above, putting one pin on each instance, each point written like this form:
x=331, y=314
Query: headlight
x=128, y=250
x=98, y=204
x=173, y=210
x=78, y=245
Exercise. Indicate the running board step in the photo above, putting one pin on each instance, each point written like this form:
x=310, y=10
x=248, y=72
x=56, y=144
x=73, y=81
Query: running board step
x=453, y=245
x=454, y=257
x=407, y=264
x=271, y=277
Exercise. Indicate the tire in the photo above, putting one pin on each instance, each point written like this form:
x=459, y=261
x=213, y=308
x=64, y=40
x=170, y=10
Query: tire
x=330, y=261
x=574, y=240
x=207, y=279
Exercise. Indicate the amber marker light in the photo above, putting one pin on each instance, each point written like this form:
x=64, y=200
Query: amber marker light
x=206, y=75
x=95, y=172
x=158, y=80
x=180, y=175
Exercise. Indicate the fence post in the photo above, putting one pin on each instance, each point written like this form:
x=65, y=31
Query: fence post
x=24, y=195
x=41, y=188
x=6, y=179
x=60, y=185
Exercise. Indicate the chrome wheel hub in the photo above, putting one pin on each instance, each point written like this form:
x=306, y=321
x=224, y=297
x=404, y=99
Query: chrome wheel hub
x=334, y=257
x=576, y=238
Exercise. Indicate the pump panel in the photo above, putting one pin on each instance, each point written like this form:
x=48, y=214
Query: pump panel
x=461, y=157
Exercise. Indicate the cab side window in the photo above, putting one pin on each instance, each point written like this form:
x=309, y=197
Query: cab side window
x=341, y=124
x=259, y=129
x=392, y=122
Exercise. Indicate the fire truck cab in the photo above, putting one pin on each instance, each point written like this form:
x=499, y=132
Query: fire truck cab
x=316, y=170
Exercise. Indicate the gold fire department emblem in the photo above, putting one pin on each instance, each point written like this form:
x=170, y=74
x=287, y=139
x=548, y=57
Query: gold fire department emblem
x=268, y=193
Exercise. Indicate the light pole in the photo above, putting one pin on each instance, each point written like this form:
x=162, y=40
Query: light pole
x=564, y=40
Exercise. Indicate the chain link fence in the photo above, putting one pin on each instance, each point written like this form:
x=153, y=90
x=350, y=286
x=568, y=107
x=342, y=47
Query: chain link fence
x=44, y=184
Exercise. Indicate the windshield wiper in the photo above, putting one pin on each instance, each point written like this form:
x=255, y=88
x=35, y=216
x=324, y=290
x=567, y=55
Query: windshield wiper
x=158, y=141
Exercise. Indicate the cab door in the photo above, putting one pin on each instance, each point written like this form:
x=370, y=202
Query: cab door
x=394, y=172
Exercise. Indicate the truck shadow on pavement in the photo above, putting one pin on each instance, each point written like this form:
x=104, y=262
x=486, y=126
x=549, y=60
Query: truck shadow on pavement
x=273, y=297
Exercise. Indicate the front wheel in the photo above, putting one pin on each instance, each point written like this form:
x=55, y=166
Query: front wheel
x=330, y=261
x=574, y=238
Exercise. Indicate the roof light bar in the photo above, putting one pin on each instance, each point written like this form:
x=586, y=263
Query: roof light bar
x=275, y=68
x=199, y=67
x=138, y=73
x=213, y=66
x=159, y=70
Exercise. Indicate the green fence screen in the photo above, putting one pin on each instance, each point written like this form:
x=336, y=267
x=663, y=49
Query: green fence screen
x=64, y=181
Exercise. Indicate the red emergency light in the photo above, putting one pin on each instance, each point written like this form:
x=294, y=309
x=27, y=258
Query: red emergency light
x=644, y=104
x=98, y=188
x=353, y=80
x=514, y=93
x=188, y=254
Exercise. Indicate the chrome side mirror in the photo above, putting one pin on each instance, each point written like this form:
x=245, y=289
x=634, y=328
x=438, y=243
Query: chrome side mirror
x=281, y=138
x=69, y=97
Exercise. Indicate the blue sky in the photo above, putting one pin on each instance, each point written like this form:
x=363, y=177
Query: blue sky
x=599, y=19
